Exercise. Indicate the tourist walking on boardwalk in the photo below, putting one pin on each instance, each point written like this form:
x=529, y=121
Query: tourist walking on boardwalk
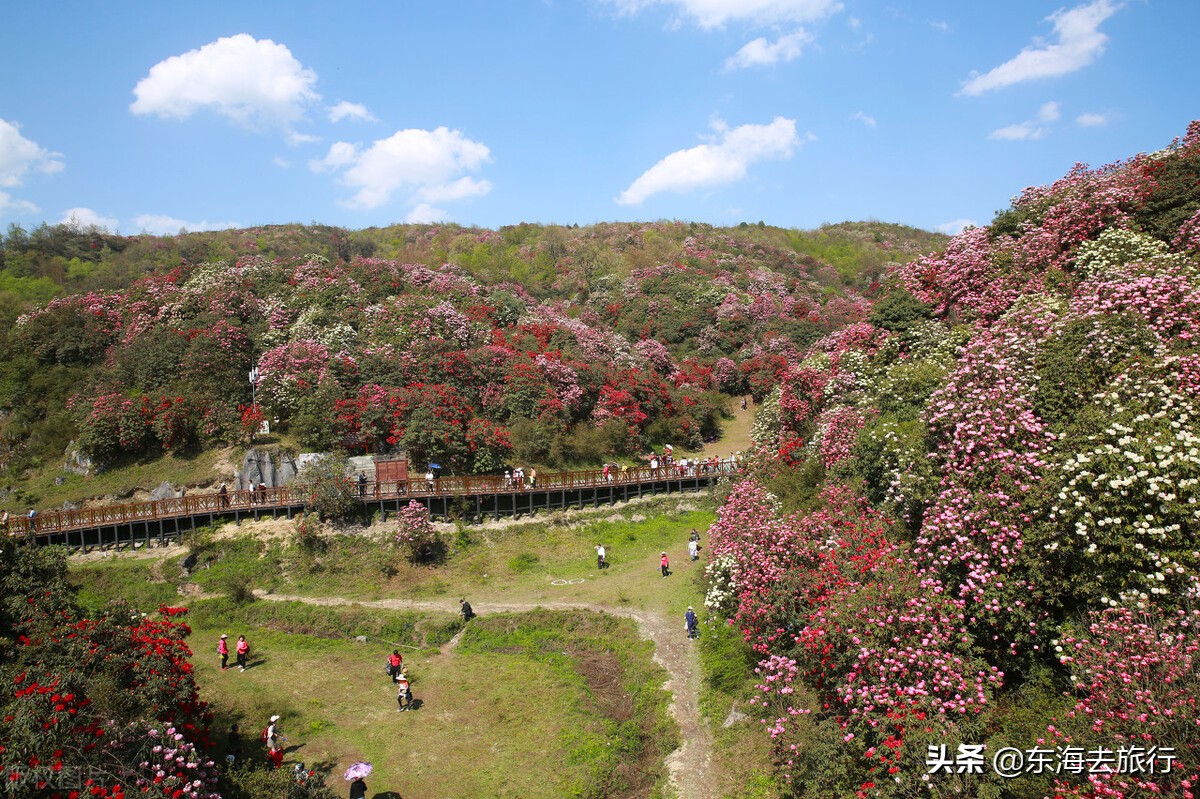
x=692, y=623
x=223, y=491
x=243, y=649
x=223, y=651
x=665, y=563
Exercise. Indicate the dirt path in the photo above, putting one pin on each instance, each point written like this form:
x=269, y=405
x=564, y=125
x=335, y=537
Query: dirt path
x=689, y=765
x=735, y=434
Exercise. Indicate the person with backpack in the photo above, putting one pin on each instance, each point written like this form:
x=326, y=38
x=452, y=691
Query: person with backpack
x=223, y=651
x=467, y=612
x=404, y=697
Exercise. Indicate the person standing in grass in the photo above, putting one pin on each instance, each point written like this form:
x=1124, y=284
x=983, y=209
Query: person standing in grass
x=692, y=623
x=243, y=649
x=404, y=698
x=467, y=612
x=274, y=742
x=601, y=563
x=665, y=563
x=395, y=665
x=358, y=789
x=223, y=651
x=694, y=548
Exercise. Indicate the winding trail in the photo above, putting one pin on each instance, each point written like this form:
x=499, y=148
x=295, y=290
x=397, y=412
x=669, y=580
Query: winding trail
x=688, y=766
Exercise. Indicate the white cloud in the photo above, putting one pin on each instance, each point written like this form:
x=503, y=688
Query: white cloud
x=10, y=203
x=162, y=225
x=1049, y=112
x=1091, y=120
x=424, y=214
x=864, y=118
x=1079, y=43
x=340, y=154
x=760, y=52
x=18, y=155
x=1031, y=130
x=955, y=226
x=281, y=162
x=716, y=164
x=83, y=218
x=345, y=110
x=250, y=81
x=1023, y=131
x=854, y=22
x=424, y=165
x=940, y=25
x=715, y=13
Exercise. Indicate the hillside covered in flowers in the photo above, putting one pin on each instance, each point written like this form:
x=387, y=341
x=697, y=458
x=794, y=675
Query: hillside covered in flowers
x=471, y=348
x=971, y=526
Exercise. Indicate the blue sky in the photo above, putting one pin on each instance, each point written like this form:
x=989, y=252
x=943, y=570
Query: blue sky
x=151, y=117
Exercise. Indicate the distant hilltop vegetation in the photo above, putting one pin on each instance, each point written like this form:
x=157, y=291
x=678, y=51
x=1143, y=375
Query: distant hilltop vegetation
x=467, y=347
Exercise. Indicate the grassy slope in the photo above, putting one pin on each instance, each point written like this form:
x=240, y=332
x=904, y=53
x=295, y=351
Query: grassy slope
x=487, y=708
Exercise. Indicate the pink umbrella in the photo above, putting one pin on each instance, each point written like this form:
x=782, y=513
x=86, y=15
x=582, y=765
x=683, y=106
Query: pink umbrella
x=357, y=771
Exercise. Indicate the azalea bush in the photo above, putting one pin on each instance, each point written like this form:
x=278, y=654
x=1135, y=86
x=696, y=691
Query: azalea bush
x=416, y=536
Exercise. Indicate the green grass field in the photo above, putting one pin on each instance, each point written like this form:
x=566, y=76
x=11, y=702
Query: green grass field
x=547, y=703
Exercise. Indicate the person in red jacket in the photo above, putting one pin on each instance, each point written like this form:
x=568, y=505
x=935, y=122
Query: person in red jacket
x=666, y=565
x=243, y=649
x=223, y=651
x=395, y=665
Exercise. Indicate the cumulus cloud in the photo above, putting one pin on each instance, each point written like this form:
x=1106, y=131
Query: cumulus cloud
x=955, y=226
x=163, y=225
x=355, y=111
x=1030, y=130
x=9, y=203
x=83, y=218
x=864, y=118
x=1079, y=43
x=253, y=82
x=715, y=13
x=1022, y=131
x=424, y=165
x=724, y=160
x=761, y=52
x=424, y=214
x=1091, y=120
x=19, y=155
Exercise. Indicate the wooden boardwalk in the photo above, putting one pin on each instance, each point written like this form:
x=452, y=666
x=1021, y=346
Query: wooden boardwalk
x=476, y=498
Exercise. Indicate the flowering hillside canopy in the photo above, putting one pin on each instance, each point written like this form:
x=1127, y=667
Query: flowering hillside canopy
x=971, y=525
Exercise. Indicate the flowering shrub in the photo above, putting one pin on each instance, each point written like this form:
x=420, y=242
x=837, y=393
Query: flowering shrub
x=1122, y=520
x=418, y=540
x=1137, y=678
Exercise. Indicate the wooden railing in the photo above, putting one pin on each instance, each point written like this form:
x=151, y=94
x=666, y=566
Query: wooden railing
x=415, y=486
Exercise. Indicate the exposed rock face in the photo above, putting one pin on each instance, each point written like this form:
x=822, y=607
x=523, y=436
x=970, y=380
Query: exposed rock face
x=259, y=466
x=164, y=491
x=76, y=462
